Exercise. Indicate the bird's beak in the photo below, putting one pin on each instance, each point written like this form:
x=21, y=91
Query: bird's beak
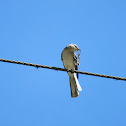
x=79, y=51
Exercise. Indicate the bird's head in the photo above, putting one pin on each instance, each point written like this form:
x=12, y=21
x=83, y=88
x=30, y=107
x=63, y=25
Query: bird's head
x=73, y=47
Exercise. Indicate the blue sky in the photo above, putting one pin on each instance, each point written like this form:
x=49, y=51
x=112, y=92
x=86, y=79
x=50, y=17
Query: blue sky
x=36, y=32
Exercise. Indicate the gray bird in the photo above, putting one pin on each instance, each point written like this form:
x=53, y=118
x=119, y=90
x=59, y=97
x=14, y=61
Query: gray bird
x=70, y=61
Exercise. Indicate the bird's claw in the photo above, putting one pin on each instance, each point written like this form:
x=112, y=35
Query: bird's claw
x=72, y=70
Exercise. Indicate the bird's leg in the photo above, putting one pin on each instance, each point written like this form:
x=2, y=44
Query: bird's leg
x=72, y=70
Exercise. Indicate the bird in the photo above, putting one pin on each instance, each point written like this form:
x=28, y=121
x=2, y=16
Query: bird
x=70, y=61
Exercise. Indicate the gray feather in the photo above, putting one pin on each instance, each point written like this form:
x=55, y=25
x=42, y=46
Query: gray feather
x=73, y=85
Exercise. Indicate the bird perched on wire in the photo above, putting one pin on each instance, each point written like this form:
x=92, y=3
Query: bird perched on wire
x=71, y=62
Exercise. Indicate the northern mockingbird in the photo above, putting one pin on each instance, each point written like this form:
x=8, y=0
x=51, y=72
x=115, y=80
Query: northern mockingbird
x=70, y=61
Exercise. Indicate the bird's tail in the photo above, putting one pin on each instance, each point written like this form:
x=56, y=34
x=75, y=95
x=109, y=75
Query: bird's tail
x=74, y=84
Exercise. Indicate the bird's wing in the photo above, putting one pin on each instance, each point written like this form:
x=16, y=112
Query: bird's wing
x=76, y=63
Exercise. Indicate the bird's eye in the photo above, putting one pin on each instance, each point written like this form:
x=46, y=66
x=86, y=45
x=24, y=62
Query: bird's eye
x=76, y=47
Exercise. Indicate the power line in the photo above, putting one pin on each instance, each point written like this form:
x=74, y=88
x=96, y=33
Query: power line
x=62, y=69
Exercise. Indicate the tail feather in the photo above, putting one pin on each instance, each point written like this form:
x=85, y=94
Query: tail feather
x=74, y=84
x=78, y=85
